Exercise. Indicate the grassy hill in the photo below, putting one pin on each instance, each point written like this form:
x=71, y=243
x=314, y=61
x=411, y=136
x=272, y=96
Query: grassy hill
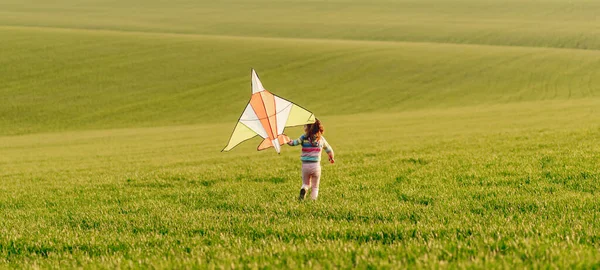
x=65, y=79
x=540, y=23
x=466, y=134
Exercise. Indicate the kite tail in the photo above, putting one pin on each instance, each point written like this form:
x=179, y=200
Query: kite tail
x=266, y=143
x=283, y=139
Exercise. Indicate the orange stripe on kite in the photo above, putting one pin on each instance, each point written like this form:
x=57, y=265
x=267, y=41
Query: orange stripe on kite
x=269, y=101
x=263, y=104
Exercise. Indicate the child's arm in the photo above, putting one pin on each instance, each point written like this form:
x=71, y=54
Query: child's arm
x=328, y=150
x=296, y=141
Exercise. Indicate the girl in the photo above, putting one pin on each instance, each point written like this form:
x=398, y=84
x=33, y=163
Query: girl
x=312, y=144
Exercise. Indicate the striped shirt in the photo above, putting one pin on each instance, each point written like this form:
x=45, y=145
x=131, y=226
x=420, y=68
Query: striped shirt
x=311, y=150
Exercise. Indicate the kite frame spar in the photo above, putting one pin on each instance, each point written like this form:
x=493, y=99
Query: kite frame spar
x=270, y=127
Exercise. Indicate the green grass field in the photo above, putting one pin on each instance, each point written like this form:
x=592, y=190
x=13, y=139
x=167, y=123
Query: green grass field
x=466, y=132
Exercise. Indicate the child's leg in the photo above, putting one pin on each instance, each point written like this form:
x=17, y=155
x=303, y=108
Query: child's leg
x=306, y=176
x=315, y=179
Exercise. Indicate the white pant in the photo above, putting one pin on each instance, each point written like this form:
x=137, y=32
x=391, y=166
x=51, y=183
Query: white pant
x=311, y=174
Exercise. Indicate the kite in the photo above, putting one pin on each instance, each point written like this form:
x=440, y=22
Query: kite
x=267, y=115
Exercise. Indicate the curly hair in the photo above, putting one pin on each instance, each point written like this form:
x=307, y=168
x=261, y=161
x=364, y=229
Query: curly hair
x=314, y=131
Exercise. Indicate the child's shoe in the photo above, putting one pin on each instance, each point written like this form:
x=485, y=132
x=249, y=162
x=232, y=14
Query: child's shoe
x=302, y=194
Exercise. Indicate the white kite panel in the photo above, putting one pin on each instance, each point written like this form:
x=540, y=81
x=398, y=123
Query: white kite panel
x=283, y=108
x=250, y=119
x=256, y=84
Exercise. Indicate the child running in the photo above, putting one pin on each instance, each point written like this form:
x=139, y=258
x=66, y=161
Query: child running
x=313, y=143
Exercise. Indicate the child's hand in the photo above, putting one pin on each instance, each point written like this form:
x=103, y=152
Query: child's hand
x=331, y=160
x=290, y=143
